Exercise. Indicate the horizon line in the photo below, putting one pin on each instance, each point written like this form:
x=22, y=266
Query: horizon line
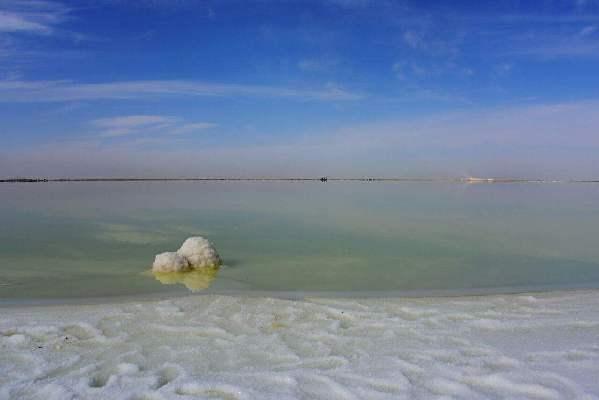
x=298, y=179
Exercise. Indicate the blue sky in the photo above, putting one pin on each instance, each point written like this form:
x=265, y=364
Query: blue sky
x=289, y=88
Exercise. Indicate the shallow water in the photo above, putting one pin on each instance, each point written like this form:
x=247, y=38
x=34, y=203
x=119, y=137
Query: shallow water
x=81, y=240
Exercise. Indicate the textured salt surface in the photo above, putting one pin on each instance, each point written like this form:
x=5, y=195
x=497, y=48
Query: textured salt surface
x=219, y=347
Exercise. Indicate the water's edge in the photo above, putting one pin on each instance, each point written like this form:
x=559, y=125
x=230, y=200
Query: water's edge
x=303, y=295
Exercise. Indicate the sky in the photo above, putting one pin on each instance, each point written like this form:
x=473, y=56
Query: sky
x=349, y=88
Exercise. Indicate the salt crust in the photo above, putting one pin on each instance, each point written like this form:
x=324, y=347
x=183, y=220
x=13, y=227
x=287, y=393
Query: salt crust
x=225, y=347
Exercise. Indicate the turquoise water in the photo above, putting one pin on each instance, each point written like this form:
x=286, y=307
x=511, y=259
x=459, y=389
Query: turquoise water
x=81, y=240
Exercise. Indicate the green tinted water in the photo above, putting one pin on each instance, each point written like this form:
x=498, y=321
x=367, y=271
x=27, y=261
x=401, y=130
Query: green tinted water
x=69, y=240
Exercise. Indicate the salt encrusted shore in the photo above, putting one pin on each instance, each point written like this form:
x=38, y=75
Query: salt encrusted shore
x=541, y=346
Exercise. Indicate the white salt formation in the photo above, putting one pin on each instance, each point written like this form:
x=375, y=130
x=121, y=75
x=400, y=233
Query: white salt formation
x=170, y=262
x=195, y=253
x=199, y=252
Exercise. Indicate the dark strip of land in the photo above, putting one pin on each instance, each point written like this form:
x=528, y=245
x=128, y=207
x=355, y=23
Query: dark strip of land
x=320, y=179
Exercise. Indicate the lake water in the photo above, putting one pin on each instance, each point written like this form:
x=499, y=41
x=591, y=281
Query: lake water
x=61, y=241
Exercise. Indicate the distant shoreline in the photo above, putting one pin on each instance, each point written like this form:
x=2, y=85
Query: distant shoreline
x=323, y=179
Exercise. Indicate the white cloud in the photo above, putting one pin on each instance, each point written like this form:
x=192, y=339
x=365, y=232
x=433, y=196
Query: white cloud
x=588, y=30
x=350, y=3
x=407, y=70
x=34, y=17
x=24, y=27
x=125, y=125
x=546, y=141
x=132, y=121
x=562, y=49
x=15, y=23
x=503, y=69
x=51, y=91
x=543, y=19
x=413, y=39
x=319, y=64
x=151, y=124
x=545, y=37
x=193, y=127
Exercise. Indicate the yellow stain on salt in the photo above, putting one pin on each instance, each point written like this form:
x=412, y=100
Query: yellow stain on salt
x=194, y=280
x=277, y=324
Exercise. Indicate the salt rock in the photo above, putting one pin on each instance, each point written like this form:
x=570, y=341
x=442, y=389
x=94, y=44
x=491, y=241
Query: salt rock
x=200, y=253
x=170, y=262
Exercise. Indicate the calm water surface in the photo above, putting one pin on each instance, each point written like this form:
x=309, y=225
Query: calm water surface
x=81, y=240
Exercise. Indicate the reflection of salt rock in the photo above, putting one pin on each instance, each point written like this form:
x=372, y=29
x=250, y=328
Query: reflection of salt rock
x=170, y=262
x=195, y=280
x=200, y=253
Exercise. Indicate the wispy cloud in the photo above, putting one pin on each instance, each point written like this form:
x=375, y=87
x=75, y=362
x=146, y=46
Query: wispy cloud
x=135, y=124
x=556, y=140
x=543, y=19
x=27, y=26
x=15, y=23
x=33, y=17
x=503, y=69
x=193, y=127
x=319, y=64
x=132, y=121
x=125, y=125
x=52, y=91
x=406, y=70
x=412, y=39
x=575, y=43
x=550, y=36
x=566, y=50
x=349, y=3
x=588, y=30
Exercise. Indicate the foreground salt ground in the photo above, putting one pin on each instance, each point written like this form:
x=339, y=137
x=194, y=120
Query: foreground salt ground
x=220, y=347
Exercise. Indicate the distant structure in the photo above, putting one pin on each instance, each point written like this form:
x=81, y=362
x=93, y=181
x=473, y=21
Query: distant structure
x=19, y=179
x=472, y=179
x=324, y=179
